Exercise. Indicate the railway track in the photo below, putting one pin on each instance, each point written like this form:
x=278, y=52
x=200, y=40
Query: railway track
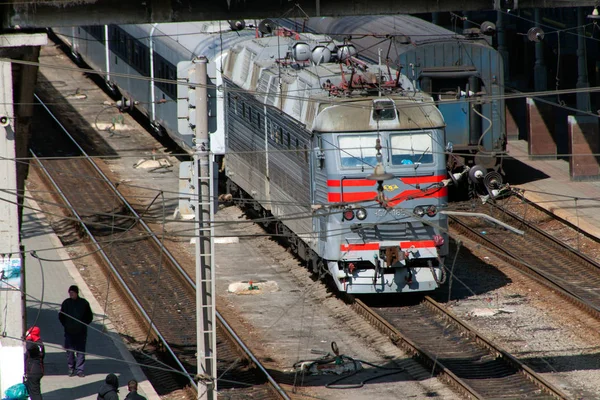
x=157, y=288
x=539, y=255
x=468, y=362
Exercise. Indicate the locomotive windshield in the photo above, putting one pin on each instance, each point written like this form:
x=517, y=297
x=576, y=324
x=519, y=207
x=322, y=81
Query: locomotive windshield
x=358, y=150
x=412, y=148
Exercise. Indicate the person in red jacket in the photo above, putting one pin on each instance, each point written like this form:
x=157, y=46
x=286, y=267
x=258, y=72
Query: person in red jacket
x=34, y=362
x=75, y=315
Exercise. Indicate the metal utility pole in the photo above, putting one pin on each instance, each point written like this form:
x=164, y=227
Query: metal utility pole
x=205, y=271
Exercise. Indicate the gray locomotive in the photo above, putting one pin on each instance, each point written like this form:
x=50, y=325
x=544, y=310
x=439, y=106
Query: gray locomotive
x=347, y=155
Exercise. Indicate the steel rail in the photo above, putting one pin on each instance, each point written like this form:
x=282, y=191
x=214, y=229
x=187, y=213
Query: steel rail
x=279, y=390
x=275, y=385
x=112, y=267
x=446, y=373
x=531, y=374
x=544, y=278
x=402, y=341
x=116, y=191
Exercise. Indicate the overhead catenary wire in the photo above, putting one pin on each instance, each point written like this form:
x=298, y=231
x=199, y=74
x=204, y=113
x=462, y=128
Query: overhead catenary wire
x=331, y=100
x=567, y=29
x=307, y=215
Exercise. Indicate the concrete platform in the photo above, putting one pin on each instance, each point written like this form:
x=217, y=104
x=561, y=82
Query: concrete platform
x=108, y=354
x=548, y=183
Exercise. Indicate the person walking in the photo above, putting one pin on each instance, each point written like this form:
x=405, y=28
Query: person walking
x=133, y=394
x=34, y=362
x=75, y=315
x=109, y=389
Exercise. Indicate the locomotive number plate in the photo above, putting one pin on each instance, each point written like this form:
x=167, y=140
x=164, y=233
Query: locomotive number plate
x=381, y=212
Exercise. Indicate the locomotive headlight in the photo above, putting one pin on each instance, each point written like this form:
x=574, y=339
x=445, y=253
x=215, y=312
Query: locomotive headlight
x=361, y=213
x=431, y=211
x=349, y=215
x=419, y=211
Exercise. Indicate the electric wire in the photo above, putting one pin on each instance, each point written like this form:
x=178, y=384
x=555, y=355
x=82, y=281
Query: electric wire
x=141, y=351
x=310, y=99
x=102, y=332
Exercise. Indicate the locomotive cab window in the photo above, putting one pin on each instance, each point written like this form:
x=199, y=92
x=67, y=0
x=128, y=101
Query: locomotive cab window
x=412, y=148
x=357, y=151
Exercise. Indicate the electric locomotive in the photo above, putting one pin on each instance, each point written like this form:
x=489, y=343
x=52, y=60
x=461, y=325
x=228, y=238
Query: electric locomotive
x=347, y=155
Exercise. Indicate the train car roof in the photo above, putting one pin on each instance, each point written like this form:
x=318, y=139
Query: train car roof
x=408, y=31
x=194, y=38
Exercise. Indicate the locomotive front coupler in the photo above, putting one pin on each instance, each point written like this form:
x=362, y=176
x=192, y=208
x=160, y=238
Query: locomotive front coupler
x=391, y=255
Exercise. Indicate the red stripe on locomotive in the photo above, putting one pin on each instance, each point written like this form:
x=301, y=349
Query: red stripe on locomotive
x=335, y=197
x=375, y=246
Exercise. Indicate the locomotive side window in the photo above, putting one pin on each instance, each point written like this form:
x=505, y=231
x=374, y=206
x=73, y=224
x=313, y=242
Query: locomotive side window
x=412, y=148
x=357, y=151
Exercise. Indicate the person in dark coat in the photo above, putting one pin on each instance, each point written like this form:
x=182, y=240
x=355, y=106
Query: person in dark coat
x=75, y=315
x=133, y=394
x=34, y=362
x=109, y=389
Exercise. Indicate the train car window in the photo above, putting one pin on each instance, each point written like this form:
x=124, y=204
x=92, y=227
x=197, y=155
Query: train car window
x=297, y=147
x=357, y=150
x=278, y=136
x=250, y=114
x=288, y=140
x=171, y=87
x=243, y=110
x=258, y=121
x=146, y=61
x=137, y=56
x=412, y=148
x=97, y=32
x=305, y=154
